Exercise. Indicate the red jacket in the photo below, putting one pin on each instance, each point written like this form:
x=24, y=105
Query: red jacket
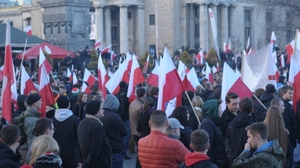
x=158, y=150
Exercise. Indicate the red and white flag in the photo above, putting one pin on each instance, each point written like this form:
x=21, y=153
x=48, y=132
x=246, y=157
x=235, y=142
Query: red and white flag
x=28, y=30
x=98, y=43
x=112, y=57
x=1, y=72
x=106, y=49
x=85, y=88
x=248, y=44
x=168, y=77
x=208, y=74
x=290, y=50
x=200, y=57
x=273, y=38
x=192, y=80
x=89, y=77
x=225, y=46
x=153, y=77
x=26, y=83
x=102, y=76
x=45, y=91
x=272, y=68
x=74, y=79
x=296, y=87
x=214, y=29
x=282, y=64
x=146, y=65
x=136, y=77
x=69, y=74
x=8, y=78
x=121, y=74
x=232, y=83
x=43, y=61
x=295, y=60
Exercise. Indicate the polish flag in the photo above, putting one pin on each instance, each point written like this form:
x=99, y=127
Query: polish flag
x=136, y=77
x=74, y=79
x=26, y=83
x=282, y=64
x=8, y=78
x=296, y=97
x=273, y=38
x=43, y=61
x=192, y=80
x=28, y=30
x=153, y=77
x=85, y=88
x=112, y=57
x=208, y=73
x=89, y=77
x=248, y=44
x=169, y=83
x=98, y=43
x=232, y=83
x=290, y=50
x=1, y=72
x=106, y=49
x=146, y=64
x=69, y=74
x=295, y=60
x=102, y=76
x=229, y=47
x=129, y=60
x=199, y=58
x=225, y=47
x=121, y=74
x=182, y=71
x=45, y=91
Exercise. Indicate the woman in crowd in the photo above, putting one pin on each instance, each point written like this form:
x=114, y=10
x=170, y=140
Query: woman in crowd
x=144, y=117
x=78, y=109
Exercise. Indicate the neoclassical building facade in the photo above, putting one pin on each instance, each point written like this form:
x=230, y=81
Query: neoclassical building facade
x=150, y=25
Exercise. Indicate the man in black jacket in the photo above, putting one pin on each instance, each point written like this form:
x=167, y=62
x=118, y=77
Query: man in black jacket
x=114, y=128
x=93, y=149
x=236, y=135
x=10, y=139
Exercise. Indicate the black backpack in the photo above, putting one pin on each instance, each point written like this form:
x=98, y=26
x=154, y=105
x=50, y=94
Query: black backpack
x=19, y=121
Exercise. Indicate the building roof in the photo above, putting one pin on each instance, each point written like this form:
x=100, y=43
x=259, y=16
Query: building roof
x=18, y=38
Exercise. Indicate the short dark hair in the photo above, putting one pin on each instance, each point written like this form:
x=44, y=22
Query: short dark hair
x=231, y=95
x=10, y=134
x=246, y=105
x=158, y=118
x=140, y=92
x=42, y=125
x=285, y=88
x=199, y=140
x=258, y=128
x=276, y=101
x=154, y=90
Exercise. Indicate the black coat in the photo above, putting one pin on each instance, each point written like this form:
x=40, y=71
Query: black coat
x=185, y=136
x=227, y=117
x=193, y=118
x=266, y=99
x=9, y=159
x=143, y=122
x=115, y=130
x=123, y=110
x=289, y=119
x=93, y=149
x=236, y=135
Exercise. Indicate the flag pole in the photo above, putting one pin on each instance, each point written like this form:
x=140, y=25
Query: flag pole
x=23, y=57
x=260, y=102
x=192, y=107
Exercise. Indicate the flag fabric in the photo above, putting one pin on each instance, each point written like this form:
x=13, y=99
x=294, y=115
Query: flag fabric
x=208, y=73
x=294, y=70
x=225, y=46
x=181, y=70
x=74, y=79
x=28, y=30
x=199, y=58
x=98, y=43
x=229, y=47
x=214, y=29
x=146, y=65
x=192, y=80
x=255, y=68
x=8, y=75
x=102, y=76
x=1, y=72
x=26, y=83
x=169, y=82
x=297, y=48
x=43, y=61
x=85, y=88
x=45, y=91
x=153, y=77
x=290, y=50
x=121, y=74
x=232, y=83
x=89, y=77
x=273, y=38
x=248, y=44
x=136, y=77
x=272, y=68
x=69, y=74
x=296, y=97
x=112, y=57
x=282, y=63
x=106, y=49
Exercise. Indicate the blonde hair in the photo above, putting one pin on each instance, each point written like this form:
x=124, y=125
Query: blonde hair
x=198, y=101
x=276, y=128
x=41, y=145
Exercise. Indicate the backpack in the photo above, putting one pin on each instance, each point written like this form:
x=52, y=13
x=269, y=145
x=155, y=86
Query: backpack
x=19, y=121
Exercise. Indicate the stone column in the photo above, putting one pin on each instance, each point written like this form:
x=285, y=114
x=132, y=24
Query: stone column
x=183, y=26
x=203, y=22
x=123, y=29
x=141, y=29
x=231, y=21
x=224, y=25
x=192, y=25
x=107, y=26
x=99, y=23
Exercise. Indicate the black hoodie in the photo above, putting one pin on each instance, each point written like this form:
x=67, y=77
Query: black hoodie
x=21, y=106
x=236, y=135
x=8, y=158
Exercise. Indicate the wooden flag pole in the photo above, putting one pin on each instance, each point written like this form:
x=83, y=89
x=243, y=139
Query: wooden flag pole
x=192, y=107
x=260, y=102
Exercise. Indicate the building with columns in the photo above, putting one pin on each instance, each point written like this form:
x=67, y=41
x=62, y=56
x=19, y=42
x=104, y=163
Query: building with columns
x=150, y=25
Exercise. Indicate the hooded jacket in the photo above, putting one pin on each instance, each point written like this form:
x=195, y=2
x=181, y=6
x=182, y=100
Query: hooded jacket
x=266, y=99
x=66, y=124
x=9, y=158
x=236, y=135
x=197, y=160
x=48, y=160
x=21, y=106
x=114, y=127
x=268, y=155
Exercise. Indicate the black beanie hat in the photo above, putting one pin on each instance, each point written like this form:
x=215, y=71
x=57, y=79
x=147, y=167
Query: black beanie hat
x=123, y=85
x=92, y=107
x=270, y=88
x=33, y=98
x=63, y=102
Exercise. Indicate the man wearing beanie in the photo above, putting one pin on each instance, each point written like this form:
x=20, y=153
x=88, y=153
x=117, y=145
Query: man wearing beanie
x=268, y=96
x=32, y=113
x=95, y=152
x=66, y=124
x=114, y=128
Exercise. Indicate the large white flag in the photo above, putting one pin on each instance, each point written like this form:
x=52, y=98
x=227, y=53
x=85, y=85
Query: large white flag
x=214, y=30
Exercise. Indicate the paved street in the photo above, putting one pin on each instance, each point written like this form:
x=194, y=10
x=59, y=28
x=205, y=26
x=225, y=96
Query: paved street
x=130, y=163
